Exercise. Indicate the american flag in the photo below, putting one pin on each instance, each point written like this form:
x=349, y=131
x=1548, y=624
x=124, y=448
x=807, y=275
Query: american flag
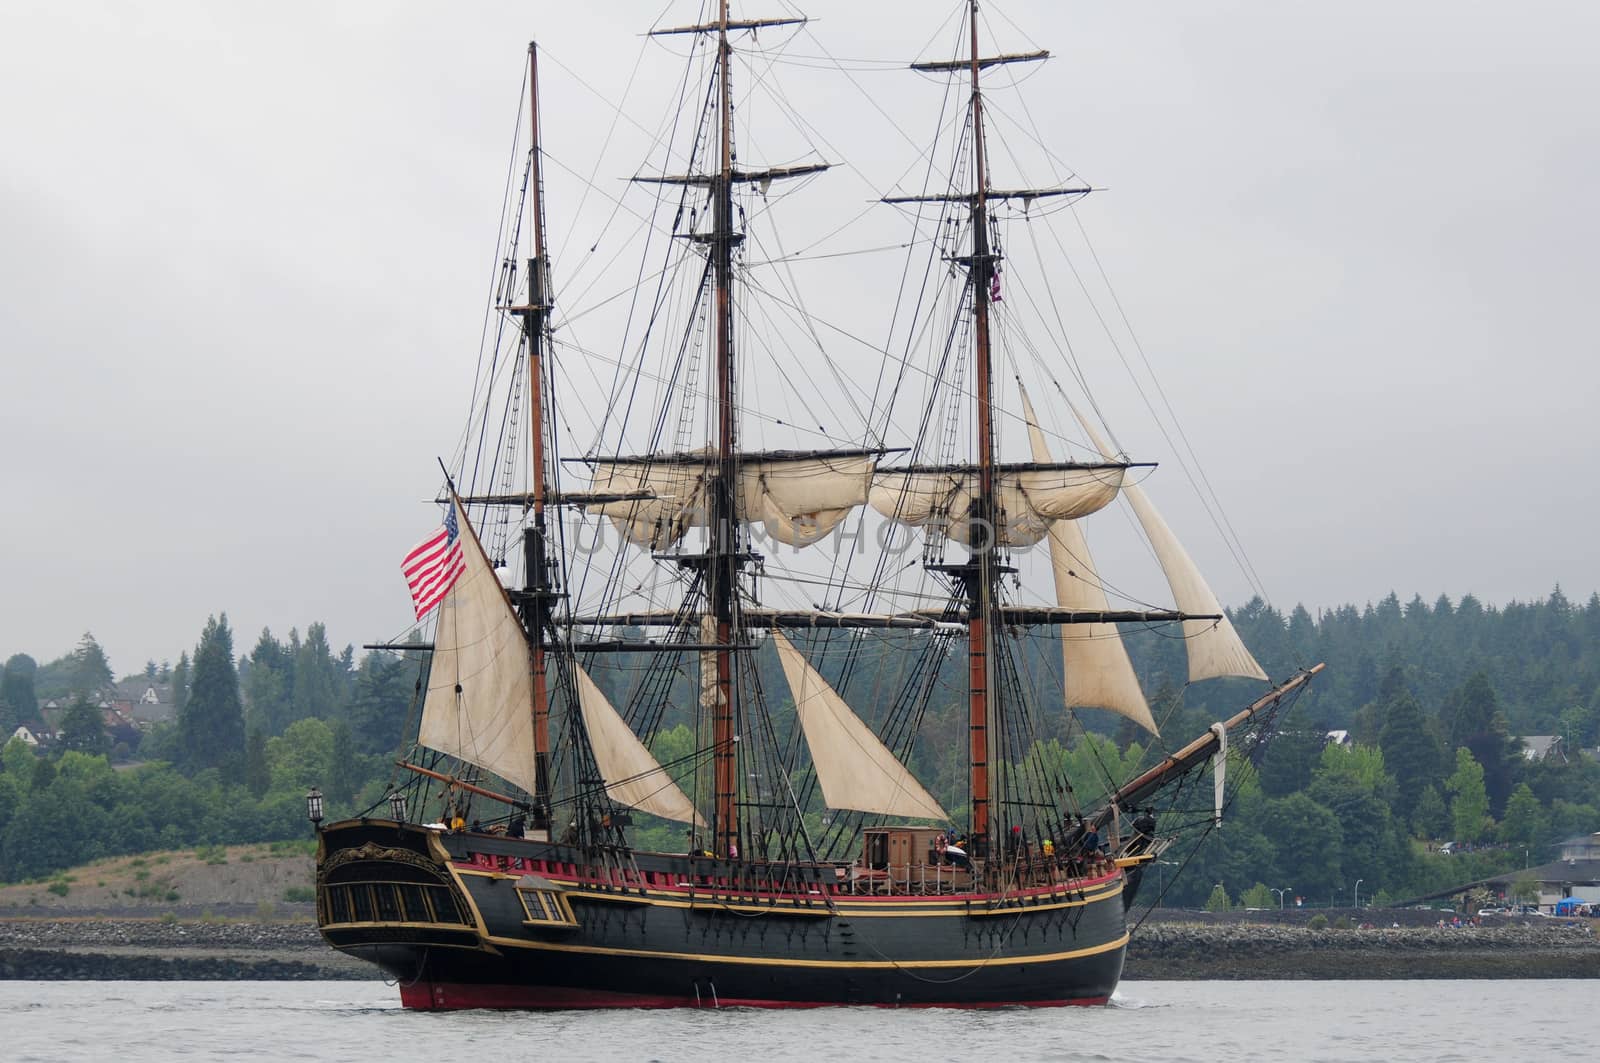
x=432, y=566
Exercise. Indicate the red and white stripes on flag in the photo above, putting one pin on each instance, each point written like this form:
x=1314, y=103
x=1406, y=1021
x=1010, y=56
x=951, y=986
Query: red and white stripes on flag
x=432, y=566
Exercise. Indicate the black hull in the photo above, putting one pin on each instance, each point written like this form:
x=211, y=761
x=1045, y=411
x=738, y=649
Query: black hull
x=676, y=943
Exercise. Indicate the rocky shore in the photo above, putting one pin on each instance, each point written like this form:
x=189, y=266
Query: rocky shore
x=1169, y=946
x=1179, y=950
x=88, y=949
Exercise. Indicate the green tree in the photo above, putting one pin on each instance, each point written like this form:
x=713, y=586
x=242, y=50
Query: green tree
x=382, y=701
x=267, y=685
x=17, y=758
x=16, y=687
x=180, y=685
x=343, y=778
x=83, y=729
x=1409, y=747
x=1469, y=802
x=1290, y=758
x=301, y=757
x=1525, y=822
x=315, y=691
x=1309, y=839
x=1471, y=711
x=91, y=670
x=1431, y=819
x=257, y=774
x=211, y=723
x=1218, y=901
x=1258, y=896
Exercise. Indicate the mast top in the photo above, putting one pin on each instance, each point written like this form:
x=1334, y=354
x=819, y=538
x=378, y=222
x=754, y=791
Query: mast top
x=730, y=24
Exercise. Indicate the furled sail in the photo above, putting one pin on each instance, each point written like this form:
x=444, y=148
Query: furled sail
x=1095, y=666
x=632, y=775
x=855, y=769
x=1214, y=647
x=797, y=497
x=479, y=703
x=1027, y=498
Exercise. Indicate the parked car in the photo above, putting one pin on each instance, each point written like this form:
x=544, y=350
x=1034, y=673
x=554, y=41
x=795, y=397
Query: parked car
x=1447, y=848
x=1493, y=911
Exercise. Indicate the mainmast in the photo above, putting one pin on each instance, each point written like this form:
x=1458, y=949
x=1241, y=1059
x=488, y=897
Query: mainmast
x=725, y=559
x=981, y=574
x=725, y=554
x=538, y=593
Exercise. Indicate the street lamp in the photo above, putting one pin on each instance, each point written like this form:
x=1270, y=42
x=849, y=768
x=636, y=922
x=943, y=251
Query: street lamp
x=1359, y=881
x=314, y=806
x=1280, y=893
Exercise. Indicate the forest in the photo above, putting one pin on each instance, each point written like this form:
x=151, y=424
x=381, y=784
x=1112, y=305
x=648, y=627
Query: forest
x=1435, y=700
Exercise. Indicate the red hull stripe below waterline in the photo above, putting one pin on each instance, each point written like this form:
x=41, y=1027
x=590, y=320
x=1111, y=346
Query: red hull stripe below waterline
x=437, y=996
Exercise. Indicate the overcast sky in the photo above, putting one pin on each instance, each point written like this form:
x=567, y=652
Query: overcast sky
x=244, y=249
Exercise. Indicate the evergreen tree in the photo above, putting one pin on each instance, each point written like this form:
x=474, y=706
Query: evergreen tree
x=1409, y=748
x=83, y=729
x=180, y=686
x=16, y=687
x=1431, y=818
x=211, y=725
x=381, y=703
x=268, y=684
x=1525, y=822
x=315, y=690
x=1471, y=711
x=92, y=672
x=1290, y=759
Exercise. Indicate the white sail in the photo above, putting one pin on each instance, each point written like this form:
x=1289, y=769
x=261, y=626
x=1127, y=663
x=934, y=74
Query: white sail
x=479, y=703
x=1214, y=647
x=1096, y=670
x=631, y=774
x=855, y=769
x=1026, y=500
x=797, y=498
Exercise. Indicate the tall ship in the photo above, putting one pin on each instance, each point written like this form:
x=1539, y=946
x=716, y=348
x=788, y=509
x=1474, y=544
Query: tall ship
x=734, y=689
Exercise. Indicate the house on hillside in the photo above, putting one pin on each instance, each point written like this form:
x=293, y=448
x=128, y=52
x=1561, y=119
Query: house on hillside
x=1543, y=747
x=1339, y=738
x=145, y=700
x=26, y=735
x=1576, y=876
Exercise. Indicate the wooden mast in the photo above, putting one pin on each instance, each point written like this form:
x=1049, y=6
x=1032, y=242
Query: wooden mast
x=723, y=566
x=725, y=550
x=980, y=577
x=535, y=317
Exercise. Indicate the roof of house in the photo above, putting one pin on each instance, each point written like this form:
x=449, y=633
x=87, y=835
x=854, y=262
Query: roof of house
x=1586, y=871
x=1537, y=747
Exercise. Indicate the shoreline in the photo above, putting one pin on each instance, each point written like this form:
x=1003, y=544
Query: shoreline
x=1169, y=946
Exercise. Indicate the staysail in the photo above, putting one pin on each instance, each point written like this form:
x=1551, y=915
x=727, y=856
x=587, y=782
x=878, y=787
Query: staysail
x=1214, y=647
x=1095, y=666
x=855, y=769
x=478, y=706
x=631, y=774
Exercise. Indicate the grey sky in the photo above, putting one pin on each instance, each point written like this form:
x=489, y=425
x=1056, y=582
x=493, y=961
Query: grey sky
x=243, y=251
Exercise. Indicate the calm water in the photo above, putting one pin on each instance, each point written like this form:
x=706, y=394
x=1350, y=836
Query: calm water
x=1369, y=1022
